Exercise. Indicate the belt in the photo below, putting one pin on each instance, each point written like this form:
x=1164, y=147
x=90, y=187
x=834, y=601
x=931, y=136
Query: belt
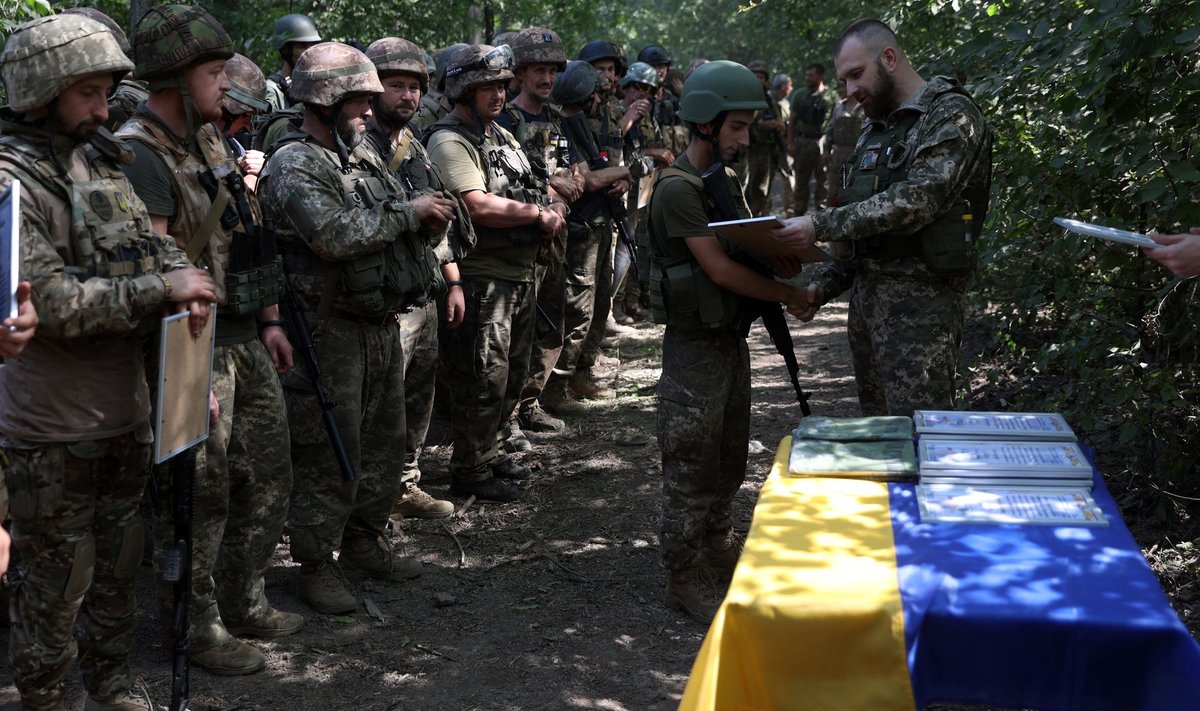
x=387, y=318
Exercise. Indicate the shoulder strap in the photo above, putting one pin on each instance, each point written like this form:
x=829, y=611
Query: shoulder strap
x=208, y=225
x=520, y=126
x=406, y=137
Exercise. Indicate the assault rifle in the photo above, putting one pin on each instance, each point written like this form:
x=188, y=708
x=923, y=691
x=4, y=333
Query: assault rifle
x=177, y=570
x=589, y=204
x=716, y=184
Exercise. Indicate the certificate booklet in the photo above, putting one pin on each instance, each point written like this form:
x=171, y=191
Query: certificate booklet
x=855, y=429
x=883, y=460
x=1055, y=459
x=10, y=249
x=1009, y=426
x=184, y=382
x=754, y=235
x=1109, y=234
x=1050, y=507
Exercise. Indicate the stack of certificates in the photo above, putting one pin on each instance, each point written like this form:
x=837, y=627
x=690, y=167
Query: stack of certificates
x=877, y=448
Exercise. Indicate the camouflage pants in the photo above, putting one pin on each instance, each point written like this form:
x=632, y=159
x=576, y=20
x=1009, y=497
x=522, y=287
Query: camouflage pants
x=703, y=432
x=363, y=367
x=806, y=168
x=603, y=297
x=905, y=337
x=581, y=273
x=838, y=155
x=419, y=334
x=486, y=361
x=548, y=337
x=78, y=531
x=760, y=164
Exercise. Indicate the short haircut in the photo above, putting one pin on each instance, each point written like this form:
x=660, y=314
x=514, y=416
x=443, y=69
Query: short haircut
x=873, y=34
x=779, y=80
x=816, y=67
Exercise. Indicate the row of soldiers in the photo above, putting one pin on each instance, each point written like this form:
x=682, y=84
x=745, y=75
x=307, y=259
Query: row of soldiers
x=472, y=240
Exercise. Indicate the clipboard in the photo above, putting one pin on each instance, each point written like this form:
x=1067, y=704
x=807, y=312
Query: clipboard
x=184, y=382
x=754, y=235
x=1109, y=234
x=10, y=249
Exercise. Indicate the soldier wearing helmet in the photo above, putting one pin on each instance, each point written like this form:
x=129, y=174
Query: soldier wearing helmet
x=357, y=249
x=404, y=77
x=76, y=398
x=434, y=104
x=704, y=392
x=129, y=92
x=767, y=144
x=666, y=103
x=515, y=214
x=190, y=179
x=243, y=103
x=292, y=35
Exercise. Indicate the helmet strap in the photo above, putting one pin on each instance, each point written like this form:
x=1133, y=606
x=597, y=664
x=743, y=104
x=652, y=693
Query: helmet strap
x=330, y=122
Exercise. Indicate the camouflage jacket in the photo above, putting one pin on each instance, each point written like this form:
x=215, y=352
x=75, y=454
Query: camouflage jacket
x=429, y=112
x=89, y=252
x=949, y=151
x=844, y=124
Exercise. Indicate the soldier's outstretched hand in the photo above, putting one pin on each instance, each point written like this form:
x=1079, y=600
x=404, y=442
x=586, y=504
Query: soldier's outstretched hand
x=1179, y=253
x=796, y=235
x=434, y=211
x=812, y=301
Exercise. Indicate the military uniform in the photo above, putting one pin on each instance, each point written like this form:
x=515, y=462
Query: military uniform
x=75, y=406
x=912, y=246
x=808, y=117
x=429, y=112
x=277, y=97
x=842, y=134
x=124, y=101
x=762, y=157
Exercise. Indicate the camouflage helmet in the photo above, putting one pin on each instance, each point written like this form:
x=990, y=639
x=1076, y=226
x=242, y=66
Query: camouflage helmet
x=294, y=28
x=575, y=83
x=171, y=38
x=538, y=46
x=393, y=55
x=43, y=57
x=758, y=66
x=247, y=87
x=640, y=73
x=474, y=65
x=720, y=86
x=329, y=72
x=603, y=49
x=111, y=24
x=504, y=37
x=654, y=55
x=430, y=65
x=443, y=61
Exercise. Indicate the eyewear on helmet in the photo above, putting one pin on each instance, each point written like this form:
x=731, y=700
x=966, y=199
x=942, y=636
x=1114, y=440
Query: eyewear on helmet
x=496, y=59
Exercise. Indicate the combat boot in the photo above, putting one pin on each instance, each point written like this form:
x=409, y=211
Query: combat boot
x=516, y=441
x=509, y=469
x=721, y=553
x=125, y=701
x=490, y=489
x=695, y=591
x=557, y=400
x=232, y=657
x=415, y=503
x=614, y=328
x=584, y=386
x=322, y=587
x=618, y=315
x=375, y=558
x=534, y=419
x=272, y=625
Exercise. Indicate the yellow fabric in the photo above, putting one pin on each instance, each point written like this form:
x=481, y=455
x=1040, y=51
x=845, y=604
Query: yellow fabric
x=813, y=618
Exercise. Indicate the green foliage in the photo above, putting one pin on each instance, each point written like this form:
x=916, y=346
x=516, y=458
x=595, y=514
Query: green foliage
x=14, y=12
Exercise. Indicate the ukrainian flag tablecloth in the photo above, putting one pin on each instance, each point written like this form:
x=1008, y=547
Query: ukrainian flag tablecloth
x=844, y=601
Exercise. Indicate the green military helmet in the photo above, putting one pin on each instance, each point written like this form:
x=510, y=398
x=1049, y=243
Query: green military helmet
x=294, y=28
x=329, y=72
x=640, y=73
x=537, y=45
x=758, y=66
x=443, y=61
x=247, y=87
x=575, y=83
x=474, y=65
x=394, y=55
x=111, y=24
x=43, y=57
x=171, y=38
x=719, y=86
x=596, y=50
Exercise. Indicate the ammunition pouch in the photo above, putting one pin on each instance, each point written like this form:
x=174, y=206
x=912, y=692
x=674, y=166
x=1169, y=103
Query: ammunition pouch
x=249, y=291
x=683, y=295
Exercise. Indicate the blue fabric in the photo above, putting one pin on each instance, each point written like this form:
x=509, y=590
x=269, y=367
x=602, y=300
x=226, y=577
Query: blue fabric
x=1043, y=617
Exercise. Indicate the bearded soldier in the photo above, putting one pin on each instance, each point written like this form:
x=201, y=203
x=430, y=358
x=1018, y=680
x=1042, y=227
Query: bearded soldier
x=74, y=406
x=129, y=92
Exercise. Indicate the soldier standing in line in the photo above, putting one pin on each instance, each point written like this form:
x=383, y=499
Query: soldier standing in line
x=766, y=144
x=809, y=108
x=75, y=406
x=781, y=91
x=434, y=105
x=358, y=251
x=917, y=186
x=844, y=123
x=245, y=101
x=514, y=213
x=129, y=92
x=537, y=125
x=666, y=102
x=244, y=478
x=404, y=79
x=292, y=35
x=704, y=392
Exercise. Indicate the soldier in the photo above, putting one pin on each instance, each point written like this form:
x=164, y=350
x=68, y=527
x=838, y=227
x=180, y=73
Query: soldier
x=918, y=183
x=537, y=125
x=781, y=91
x=74, y=406
x=244, y=478
x=358, y=252
x=666, y=102
x=704, y=391
x=245, y=100
x=434, y=104
x=844, y=123
x=766, y=145
x=809, y=108
x=129, y=92
x=514, y=215
x=292, y=35
x=404, y=78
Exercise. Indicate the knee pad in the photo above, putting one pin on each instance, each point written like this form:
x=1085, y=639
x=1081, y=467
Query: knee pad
x=133, y=541
x=83, y=567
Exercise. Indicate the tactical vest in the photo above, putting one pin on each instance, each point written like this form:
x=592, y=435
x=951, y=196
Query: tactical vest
x=418, y=176
x=246, y=272
x=681, y=292
x=269, y=128
x=543, y=141
x=808, y=115
x=509, y=175
x=403, y=274
x=844, y=126
x=883, y=157
x=606, y=126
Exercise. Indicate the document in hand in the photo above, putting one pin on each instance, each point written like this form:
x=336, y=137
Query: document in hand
x=10, y=249
x=1110, y=234
x=754, y=235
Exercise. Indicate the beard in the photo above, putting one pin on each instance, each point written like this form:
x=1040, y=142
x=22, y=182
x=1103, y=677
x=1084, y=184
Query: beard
x=81, y=132
x=397, y=116
x=351, y=129
x=883, y=99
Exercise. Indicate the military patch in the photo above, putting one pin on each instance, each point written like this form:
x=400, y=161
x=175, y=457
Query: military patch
x=100, y=205
x=122, y=203
x=870, y=159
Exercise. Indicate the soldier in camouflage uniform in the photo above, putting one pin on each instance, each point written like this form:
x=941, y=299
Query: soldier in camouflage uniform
x=434, y=104
x=357, y=251
x=844, y=123
x=404, y=79
x=704, y=392
x=809, y=109
x=74, y=406
x=766, y=142
x=129, y=92
x=292, y=35
x=245, y=476
x=245, y=101
x=537, y=125
x=665, y=107
x=910, y=210
x=781, y=90
x=486, y=361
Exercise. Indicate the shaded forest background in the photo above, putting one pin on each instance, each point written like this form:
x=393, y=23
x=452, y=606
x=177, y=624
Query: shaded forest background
x=1094, y=108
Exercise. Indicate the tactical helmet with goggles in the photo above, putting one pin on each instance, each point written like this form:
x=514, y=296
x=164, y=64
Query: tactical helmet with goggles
x=640, y=73
x=169, y=39
x=294, y=28
x=394, y=55
x=43, y=57
x=330, y=72
x=538, y=46
x=716, y=87
x=247, y=87
x=575, y=83
x=477, y=64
